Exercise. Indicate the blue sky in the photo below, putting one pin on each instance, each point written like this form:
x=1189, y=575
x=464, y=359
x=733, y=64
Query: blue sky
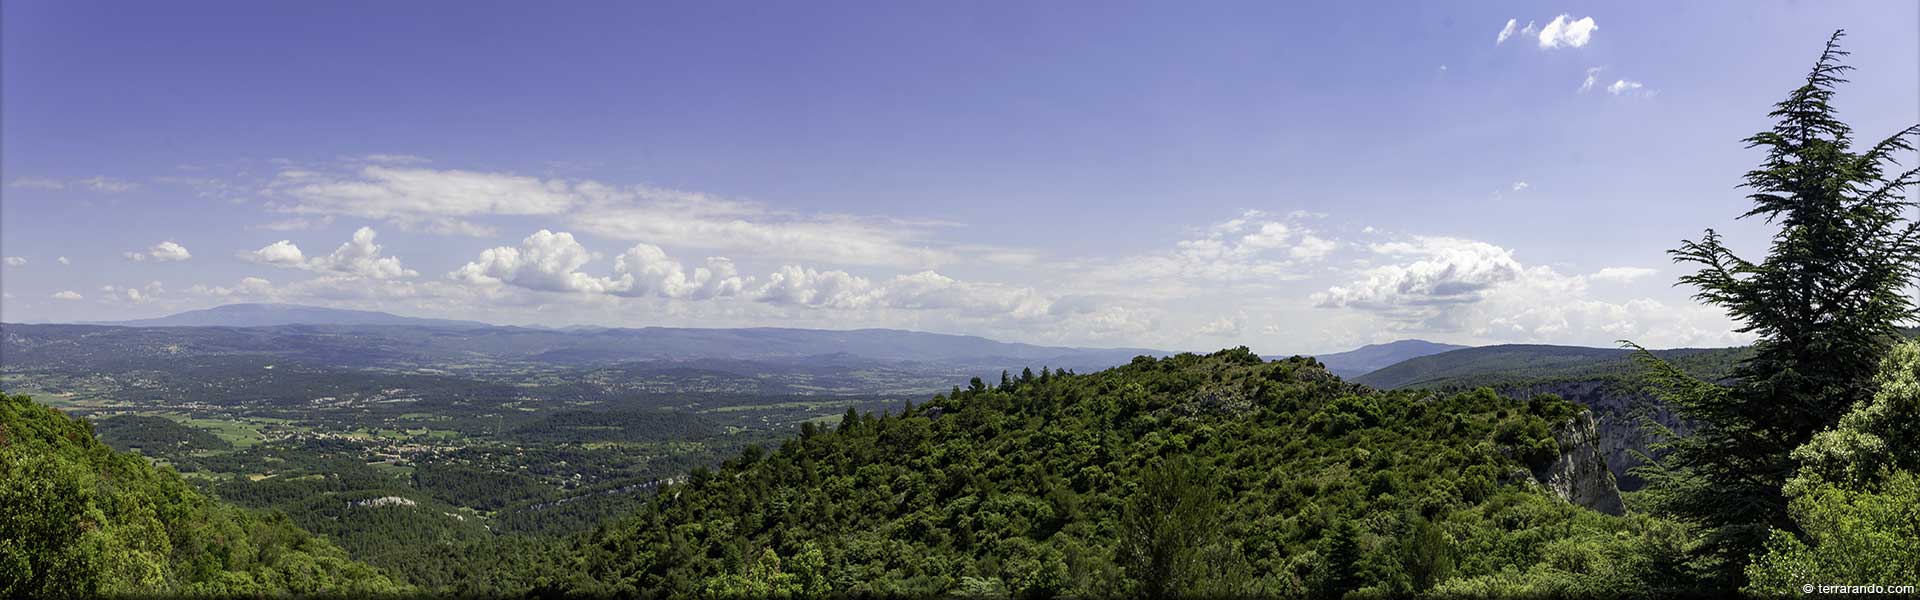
x=1297, y=178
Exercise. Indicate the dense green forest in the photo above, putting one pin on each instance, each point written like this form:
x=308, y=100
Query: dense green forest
x=81, y=519
x=1217, y=474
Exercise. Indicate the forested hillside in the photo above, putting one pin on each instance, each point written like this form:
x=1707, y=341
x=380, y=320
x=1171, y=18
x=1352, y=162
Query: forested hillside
x=1523, y=364
x=1217, y=474
x=79, y=519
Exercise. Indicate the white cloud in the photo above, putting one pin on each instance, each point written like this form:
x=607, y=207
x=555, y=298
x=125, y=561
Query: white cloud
x=1621, y=86
x=1563, y=32
x=103, y=184
x=295, y=224
x=133, y=294
x=1621, y=274
x=545, y=261
x=395, y=159
x=248, y=287
x=1254, y=247
x=1593, y=77
x=1520, y=186
x=439, y=201
x=208, y=187
x=1465, y=287
x=96, y=184
x=928, y=290
x=358, y=257
x=457, y=202
x=63, y=260
x=67, y=295
x=1445, y=271
x=282, y=253
x=646, y=270
x=809, y=287
x=552, y=262
x=1229, y=326
x=37, y=183
x=167, y=251
x=691, y=220
x=1507, y=32
x=14, y=261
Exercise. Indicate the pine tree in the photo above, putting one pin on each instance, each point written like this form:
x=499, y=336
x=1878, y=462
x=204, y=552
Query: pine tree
x=1164, y=525
x=1826, y=303
x=1340, y=570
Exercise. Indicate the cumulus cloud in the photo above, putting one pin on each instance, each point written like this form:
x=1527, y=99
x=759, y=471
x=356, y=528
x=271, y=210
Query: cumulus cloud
x=1507, y=32
x=1520, y=186
x=282, y=253
x=1444, y=271
x=63, y=260
x=646, y=270
x=67, y=295
x=131, y=293
x=1621, y=274
x=14, y=261
x=1564, y=32
x=1448, y=285
x=550, y=261
x=1253, y=247
x=358, y=257
x=1622, y=86
x=808, y=287
x=361, y=257
x=167, y=251
x=544, y=261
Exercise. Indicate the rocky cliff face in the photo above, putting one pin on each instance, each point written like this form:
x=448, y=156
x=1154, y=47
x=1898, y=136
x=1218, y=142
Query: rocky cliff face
x=1581, y=474
x=1617, y=410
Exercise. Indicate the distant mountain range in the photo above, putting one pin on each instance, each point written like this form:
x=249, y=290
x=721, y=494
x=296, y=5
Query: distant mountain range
x=369, y=337
x=1370, y=358
x=374, y=339
x=268, y=315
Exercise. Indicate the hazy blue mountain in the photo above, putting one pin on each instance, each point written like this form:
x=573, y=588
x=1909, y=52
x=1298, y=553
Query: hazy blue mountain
x=347, y=338
x=1373, y=357
x=266, y=315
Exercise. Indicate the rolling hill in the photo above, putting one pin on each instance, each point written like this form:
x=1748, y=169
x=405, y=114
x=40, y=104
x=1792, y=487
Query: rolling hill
x=1528, y=363
x=1191, y=476
x=1370, y=358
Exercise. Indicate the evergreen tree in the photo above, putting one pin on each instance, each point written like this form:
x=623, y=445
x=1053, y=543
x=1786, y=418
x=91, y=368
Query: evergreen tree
x=1340, y=570
x=1165, y=524
x=1825, y=302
